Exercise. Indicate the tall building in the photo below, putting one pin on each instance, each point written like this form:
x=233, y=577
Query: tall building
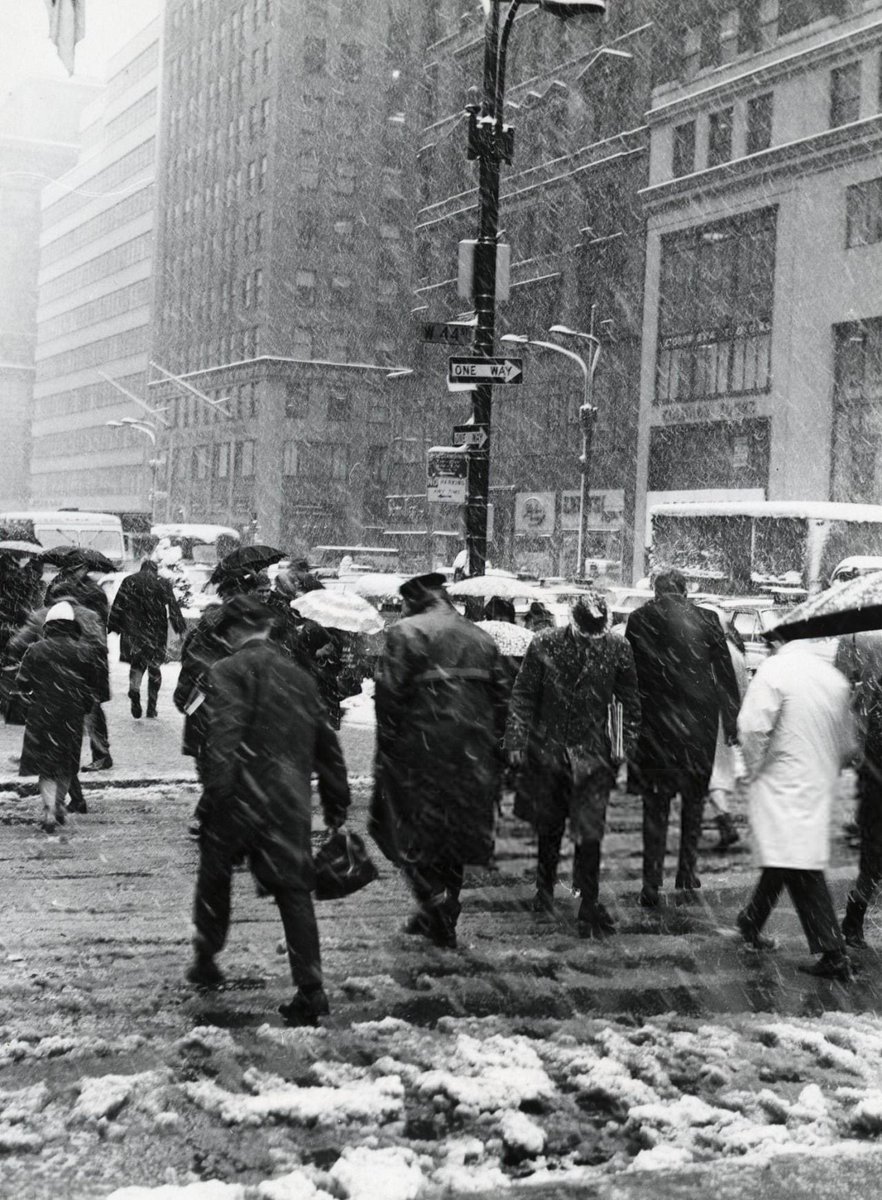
x=283, y=260
x=39, y=136
x=570, y=210
x=762, y=335
x=96, y=254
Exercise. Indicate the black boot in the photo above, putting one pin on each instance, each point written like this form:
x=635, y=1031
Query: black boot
x=833, y=964
x=729, y=835
x=135, y=701
x=306, y=1007
x=152, y=693
x=77, y=802
x=547, y=857
x=853, y=922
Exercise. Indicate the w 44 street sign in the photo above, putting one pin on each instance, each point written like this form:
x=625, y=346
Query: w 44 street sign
x=464, y=374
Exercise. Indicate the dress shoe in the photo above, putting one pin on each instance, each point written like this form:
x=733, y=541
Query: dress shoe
x=305, y=1008
x=205, y=972
x=151, y=711
x=594, y=921
x=833, y=964
x=543, y=901
x=99, y=764
x=135, y=702
x=649, y=897
x=687, y=881
x=752, y=937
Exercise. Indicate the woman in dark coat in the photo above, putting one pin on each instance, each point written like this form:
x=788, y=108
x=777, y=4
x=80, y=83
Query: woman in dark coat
x=57, y=682
x=141, y=612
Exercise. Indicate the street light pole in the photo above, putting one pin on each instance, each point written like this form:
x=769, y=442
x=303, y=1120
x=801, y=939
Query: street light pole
x=143, y=426
x=490, y=142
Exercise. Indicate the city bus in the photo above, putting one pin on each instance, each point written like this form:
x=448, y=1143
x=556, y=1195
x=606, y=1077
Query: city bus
x=68, y=527
x=747, y=547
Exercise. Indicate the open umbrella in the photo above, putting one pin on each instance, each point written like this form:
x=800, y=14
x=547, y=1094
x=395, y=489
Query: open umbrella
x=511, y=639
x=848, y=607
x=70, y=557
x=339, y=610
x=378, y=587
x=246, y=560
x=486, y=586
x=14, y=547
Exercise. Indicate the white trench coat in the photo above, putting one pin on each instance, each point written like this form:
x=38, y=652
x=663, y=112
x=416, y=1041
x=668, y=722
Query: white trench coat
x=796, y=732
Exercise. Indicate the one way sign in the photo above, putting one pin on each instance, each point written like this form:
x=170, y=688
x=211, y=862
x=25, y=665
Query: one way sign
x=464, y=374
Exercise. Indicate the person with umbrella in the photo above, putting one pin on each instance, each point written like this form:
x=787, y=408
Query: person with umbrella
x=266, y=732
x=441, y=700
x=57, y=684
x=797, y=732
x=74, y=582
x=140, y=614
x=558, y=738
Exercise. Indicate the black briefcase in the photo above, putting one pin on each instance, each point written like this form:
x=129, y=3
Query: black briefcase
x=342, y=866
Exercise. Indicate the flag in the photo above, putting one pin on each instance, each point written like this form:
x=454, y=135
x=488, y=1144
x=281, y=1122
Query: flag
x=67, y=26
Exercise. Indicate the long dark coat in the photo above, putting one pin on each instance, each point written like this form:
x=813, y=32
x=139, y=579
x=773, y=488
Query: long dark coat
x=441, y=698
x=687, y=683
x=201, y=649
x=266, y=733
x=57, y=682
x=559, y=710
x=140, y=614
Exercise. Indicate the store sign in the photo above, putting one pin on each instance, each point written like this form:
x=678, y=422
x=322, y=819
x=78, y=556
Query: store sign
x=705, y=410
x=534, y=513
x=606, y=509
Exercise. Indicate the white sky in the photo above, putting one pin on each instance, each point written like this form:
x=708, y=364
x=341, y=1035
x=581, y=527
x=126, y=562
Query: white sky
x=25, y=49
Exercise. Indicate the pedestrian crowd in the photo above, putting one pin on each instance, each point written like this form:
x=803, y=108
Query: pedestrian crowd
x=457, y=722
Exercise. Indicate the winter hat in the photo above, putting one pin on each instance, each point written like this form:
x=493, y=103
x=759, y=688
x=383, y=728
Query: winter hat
x=62, y=611
x=590, y=613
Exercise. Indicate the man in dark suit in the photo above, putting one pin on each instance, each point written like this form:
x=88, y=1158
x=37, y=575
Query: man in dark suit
x=266, y=732
x=687, y=684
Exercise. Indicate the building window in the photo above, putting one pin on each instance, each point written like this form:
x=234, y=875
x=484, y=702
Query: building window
x=308, y=170
x=856, y=462
x=344, y=228
x=351, y=61
x=387, y=292
x=793, y=14
x=261, y=179
x=245, y=457
x=296, y=400
x=684, y=149
x=290, y=459
x=302, y=347
x=345, y=177
x=845, y=94
x=246, y=292
x=264, y=114
x=258, y=230
x=715, y=309
x=223, y=460
x=258, y=287
x=252, y=178
x=341, y=289
x=749, y=27
x=759, y=123
x=711, y=49
x=339, y=406
x=863, y=213
x=200, y=456
x=719, y=142
x=314, y=54
x=304, y=286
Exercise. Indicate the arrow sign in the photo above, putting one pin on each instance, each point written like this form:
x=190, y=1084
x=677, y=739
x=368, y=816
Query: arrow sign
x=475, y=437
x=466, y=373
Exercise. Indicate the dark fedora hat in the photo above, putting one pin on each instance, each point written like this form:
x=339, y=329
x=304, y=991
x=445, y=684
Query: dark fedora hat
x=419, y=585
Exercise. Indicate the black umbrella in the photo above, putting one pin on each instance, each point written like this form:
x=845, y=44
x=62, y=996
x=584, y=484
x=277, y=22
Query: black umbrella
x=851, y=607
x=71, y=557
x=247, y=560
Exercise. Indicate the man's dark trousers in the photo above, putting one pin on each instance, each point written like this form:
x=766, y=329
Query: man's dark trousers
x=211, y=913
x=811, y=899
x=659, y=789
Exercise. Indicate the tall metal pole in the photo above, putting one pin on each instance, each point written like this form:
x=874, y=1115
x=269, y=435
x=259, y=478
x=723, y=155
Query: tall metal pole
x=478, y=493
x=587, y=418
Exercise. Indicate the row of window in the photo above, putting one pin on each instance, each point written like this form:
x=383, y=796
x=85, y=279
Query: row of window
x=133, y=206
x=863, y=213
x=349, y=64
x=105, y=181
x=91, y=439
x=245, y=182
x=195, y=101
x=223, y=459
x=251, y=13
x=132, y=72
x=96, y=354
x=51, y=488
x=113, y=304
x=334, y=404
x=90, y=395
x=130, y=118
x=316, y=460
x=239, y=345
x=126, y=255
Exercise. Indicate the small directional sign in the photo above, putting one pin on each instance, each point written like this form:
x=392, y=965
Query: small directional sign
x=464, y=374
x=450, y=334
x=447, y=473
x=475, y=437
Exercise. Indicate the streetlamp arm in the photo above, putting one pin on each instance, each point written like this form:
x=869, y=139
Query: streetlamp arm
x=570, y=354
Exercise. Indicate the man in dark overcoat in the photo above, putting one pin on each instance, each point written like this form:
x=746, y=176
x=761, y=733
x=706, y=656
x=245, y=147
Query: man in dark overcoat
x=266, y=733
x=558, y=736
x=441, y=700
x=57, y=682
x=144, y=606
x=687, y=684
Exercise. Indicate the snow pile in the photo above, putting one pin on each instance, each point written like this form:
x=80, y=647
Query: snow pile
x=102, y=1096
x=210, y=1189
x=392, y=1173
x=274, y=1098
x=496, y=1073
x=207, y=1037
x=56, y=1046
x=296, y=1185
x=599, y=1077
x=521, y=1137
x=661, y=1158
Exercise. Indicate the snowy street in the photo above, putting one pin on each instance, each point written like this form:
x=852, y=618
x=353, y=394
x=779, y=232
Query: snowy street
x=526, y=1057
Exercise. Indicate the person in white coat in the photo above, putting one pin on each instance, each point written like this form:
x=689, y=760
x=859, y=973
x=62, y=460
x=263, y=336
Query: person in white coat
x=796, y=733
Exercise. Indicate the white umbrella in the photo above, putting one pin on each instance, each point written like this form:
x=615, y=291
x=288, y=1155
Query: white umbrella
x=505, y=586
x=379, y=587
x=511, y=639
x=339, y=610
